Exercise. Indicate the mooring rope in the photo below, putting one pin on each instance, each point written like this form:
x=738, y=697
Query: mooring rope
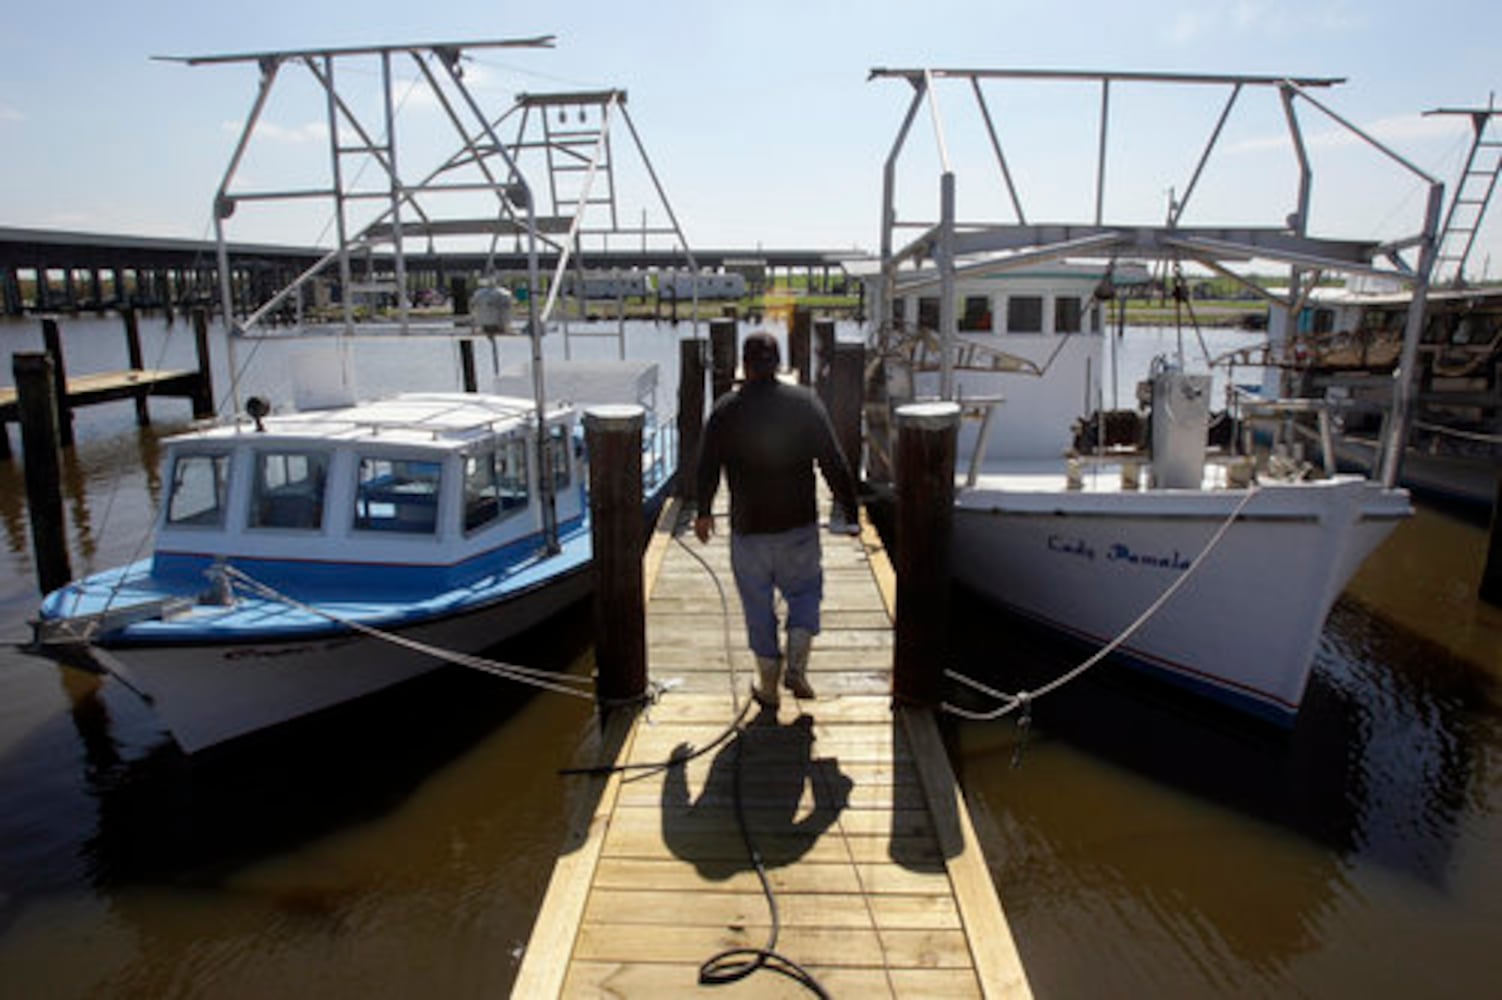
x=545, y=679
x=1024, y=699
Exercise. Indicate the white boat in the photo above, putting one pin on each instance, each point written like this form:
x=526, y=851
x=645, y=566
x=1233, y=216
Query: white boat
x=306, y=558
x=1214, y=568
x=1084, y=543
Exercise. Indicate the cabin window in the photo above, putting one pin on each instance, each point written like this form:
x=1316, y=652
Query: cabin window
x=558, y=456
x=928, y=313
x=495, y=484
x=1025, y=314
x=976, y=316
x=1067, y=313
x=899, y=311
x=199, y=490
x=288, y=490
x=397, y=495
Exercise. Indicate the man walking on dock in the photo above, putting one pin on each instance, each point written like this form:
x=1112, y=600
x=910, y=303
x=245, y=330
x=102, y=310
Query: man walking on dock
x=766, y=436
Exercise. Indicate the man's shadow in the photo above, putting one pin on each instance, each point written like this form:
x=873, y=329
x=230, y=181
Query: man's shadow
x=788, y=797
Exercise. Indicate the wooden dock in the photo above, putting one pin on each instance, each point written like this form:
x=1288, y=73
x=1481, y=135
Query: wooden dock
x=881, y=888
x=138, y=383
x=103, y=387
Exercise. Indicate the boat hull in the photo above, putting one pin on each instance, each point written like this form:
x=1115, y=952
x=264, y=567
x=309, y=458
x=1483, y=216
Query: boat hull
x=1243, y=628
x=209, y=693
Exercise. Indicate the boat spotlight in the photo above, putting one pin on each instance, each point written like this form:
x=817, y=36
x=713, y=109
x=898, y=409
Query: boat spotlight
x=256, y=408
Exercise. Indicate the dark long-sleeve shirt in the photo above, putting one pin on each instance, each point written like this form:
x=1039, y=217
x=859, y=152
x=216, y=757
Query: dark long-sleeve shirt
x=767, y=436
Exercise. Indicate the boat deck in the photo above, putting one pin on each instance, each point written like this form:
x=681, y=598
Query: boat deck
x=881, y=887
x=1096, y=474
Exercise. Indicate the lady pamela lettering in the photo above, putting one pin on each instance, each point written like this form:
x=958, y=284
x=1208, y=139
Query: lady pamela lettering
x=1117, y=552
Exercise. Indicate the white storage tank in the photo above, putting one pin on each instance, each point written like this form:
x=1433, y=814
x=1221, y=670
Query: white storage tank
x=1181, y=418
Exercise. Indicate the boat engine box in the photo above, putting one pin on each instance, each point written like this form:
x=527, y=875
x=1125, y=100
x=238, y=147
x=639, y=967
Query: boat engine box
x=1180, y=418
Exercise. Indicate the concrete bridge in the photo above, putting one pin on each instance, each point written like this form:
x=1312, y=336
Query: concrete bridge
x=52, y=270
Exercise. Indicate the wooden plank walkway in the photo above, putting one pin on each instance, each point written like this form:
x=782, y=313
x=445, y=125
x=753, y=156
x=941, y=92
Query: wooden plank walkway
x=881, y=888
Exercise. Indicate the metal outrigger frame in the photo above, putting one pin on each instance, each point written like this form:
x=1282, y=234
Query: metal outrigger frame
x=439, y=206
x=483, y=165
x=961, y=247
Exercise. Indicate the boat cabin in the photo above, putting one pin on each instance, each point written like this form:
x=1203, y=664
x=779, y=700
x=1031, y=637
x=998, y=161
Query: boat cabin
x=420, y=480
x=1028, y=354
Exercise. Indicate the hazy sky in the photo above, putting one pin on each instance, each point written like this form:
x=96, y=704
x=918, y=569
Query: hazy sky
x=759, y=116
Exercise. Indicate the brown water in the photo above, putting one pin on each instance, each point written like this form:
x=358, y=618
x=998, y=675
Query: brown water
x=1143, y=845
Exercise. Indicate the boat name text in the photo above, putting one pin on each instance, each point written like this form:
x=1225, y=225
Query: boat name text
x=1117, y=552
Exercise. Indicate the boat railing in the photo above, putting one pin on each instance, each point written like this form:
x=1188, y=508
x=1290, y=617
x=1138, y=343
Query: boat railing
x=982, y=408
x=1289, y=418
x=428, y=425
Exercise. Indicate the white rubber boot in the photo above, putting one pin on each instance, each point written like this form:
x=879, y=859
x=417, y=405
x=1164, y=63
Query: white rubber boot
x=800, y=643
x=768, y=671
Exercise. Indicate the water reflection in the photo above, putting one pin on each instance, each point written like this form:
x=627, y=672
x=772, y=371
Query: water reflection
x=13, y=507
x=1428, y=724
x=163, y=815
x=76, y=495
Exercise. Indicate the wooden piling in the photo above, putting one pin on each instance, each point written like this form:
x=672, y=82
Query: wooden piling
x=459, y=296
x=722, y=355
x=823, y=362
x=467, y=365
x=690, y=413
x=926, y=434
x=203, y=389
x=613, y=437
x=52, y=340
x=847, y=399
x=1491, y=573
x=137, y=360
x=800, y=330
x=35, y=390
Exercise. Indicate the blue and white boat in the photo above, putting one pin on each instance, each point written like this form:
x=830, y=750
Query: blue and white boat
x=308, y=559
x=304, y=559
